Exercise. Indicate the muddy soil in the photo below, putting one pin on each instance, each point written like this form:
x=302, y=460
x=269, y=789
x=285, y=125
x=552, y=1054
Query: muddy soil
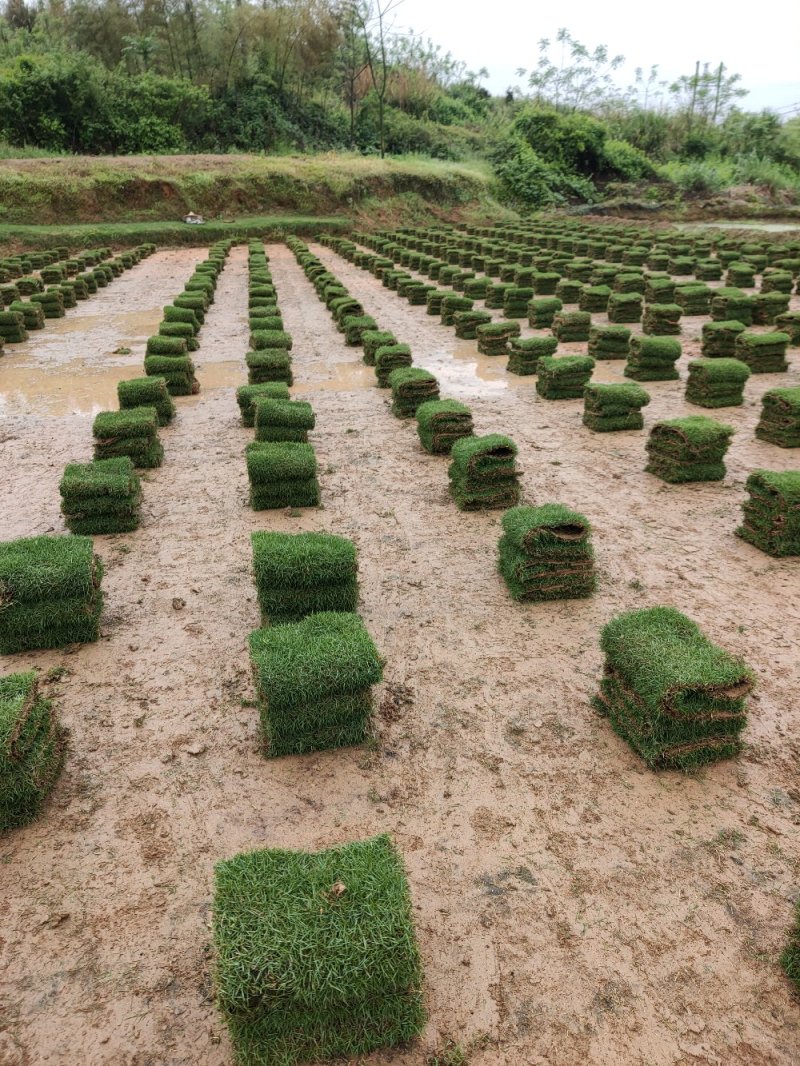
x=571, y=906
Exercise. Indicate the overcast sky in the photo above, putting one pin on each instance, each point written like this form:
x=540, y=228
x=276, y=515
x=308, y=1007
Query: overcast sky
x=761, y=44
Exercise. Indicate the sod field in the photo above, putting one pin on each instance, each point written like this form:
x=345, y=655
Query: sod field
x=398, y=642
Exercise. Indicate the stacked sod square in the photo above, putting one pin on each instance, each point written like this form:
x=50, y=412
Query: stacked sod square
x=440, y=423
x=389, y=358
x=246, y=395
x=545, y=553
x=716, y=382
x=771, y=518
x=662, y=320
x=610, y=408
x=31, y=749
x=132, y=432
x=298, y=574
x=688, y=449
x=50, y=593
x=101, y=497
x=526, y=353
x=494, y=337
x=719, y=339
x=609, y=342
x=411, y=386
x=314, y=681
x=563, y=377
x=790, y=956
x=675, y=697
x=764, y=353
x=282, y=475
x=780, y=417
x=316, y=957
x=282, y=420
x=147, y=392
x=653, y=359
x=483, y=473
x=572, y=326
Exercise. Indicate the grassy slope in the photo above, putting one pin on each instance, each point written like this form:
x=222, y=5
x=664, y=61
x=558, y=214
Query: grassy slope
x=283, y=190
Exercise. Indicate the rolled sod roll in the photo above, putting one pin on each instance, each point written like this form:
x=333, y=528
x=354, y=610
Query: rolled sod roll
x=675, y=697
x=440, y=423
x=688, y=449
x=483, y=472
x=545, y=553
x=390, y=357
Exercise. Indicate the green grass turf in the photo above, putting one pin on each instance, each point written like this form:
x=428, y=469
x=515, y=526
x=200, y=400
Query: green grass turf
x=282, y=420
x=147, y=392
x=411, y=386
x=440, y=423
x=780, y=417
x=269, y=364
x=270, y=338
x=247, y=394
x=790, y=956
x=677, y=698
x=315, y=953
x=303, y=573
x=563, y=377
x=372, y=339
x=313, y=679
x=31, y=750
x=101, y=497
x=545, y=553
x=390, y=357
x=483, y=472
x=771, y=519
x=49, y=592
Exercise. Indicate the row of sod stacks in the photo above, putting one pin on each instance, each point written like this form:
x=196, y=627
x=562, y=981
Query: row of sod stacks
x=609, y=408
x=688, y=449
x=780, y=417
x=316, y=957
x=662, y=320
x=31, y=749
x=719, y=339
x=313, y=680
x=411, y=386
x=771, y=514
x=101, y=497
x=494, y=337
x=282, y=475
x=609, y=342
x=563, y=377
x=653, y=359
x=440, y=423
x=50, y=593
x=716, y=382
x=278, y=420
x=147, y=392
x=764, y=353
x=526, y=353
x=545, y=553
x=167, y=358
x=675, y=697
x=483, y=473
x=298, y=574
x=132, y=432
x=246, y=396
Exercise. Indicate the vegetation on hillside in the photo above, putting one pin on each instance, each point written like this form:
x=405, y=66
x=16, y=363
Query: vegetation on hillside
x=279, y=76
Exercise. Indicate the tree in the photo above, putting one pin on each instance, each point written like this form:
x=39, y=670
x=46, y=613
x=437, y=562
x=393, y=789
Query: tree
x=579, y=78
x=142, y=48
x=373, y=17
x=706, y=96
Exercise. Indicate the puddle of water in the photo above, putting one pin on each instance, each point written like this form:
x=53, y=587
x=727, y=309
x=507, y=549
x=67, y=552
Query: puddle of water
x=76, y=390
x=769, y=227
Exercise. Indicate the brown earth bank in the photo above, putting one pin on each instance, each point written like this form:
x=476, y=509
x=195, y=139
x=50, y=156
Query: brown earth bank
x=571, y=906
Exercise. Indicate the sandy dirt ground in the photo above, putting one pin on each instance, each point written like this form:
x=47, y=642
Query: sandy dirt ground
x=571, y=906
